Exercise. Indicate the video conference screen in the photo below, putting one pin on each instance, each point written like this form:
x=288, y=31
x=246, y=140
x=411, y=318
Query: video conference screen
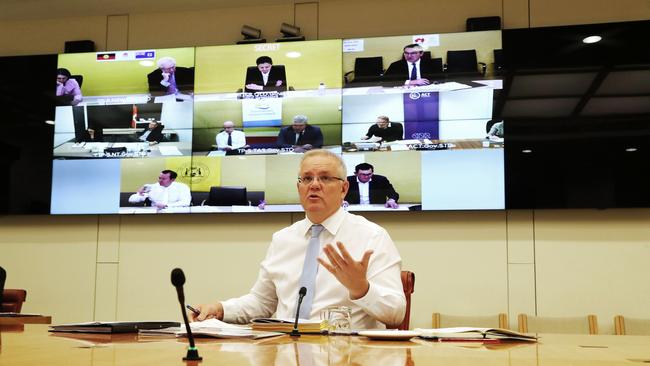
x=223, y=128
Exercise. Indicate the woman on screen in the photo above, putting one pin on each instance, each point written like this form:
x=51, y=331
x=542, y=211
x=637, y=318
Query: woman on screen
x=265, y=77
x=67, y=87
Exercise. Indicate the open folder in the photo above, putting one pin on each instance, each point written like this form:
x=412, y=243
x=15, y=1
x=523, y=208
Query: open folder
x=112, y=327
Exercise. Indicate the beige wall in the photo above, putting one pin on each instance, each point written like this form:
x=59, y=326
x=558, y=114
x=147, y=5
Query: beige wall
x=555, y=263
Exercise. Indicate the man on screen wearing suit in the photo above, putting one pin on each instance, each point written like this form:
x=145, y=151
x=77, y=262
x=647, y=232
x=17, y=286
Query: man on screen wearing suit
x=265, y=77
x=360, y=264
x=170, y=79
x=412, y=69
x=153, y=133
x=300, y=135
x=369, y=188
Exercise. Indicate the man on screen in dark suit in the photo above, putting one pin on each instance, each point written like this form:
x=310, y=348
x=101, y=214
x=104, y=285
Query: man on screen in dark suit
x=265, y=77
x=300, y=135
x=153, y=133
x=369, y=188
x=412, y=69
x=170, y=79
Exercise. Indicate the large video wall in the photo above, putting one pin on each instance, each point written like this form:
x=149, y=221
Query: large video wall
x=223, y=128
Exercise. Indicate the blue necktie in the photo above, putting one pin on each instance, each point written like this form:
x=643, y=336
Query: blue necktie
x=309, y=270
x=229, y=142
x=414, y=72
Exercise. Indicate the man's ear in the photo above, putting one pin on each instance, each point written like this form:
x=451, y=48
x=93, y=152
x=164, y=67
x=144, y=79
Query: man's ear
x=346, y=186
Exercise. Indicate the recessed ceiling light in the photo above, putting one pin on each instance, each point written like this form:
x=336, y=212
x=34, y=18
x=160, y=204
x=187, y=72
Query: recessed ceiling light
x=49, y=122
x=146, y=63
x=293, y=54
x=526, y=151
x=592, y=39
x=631, y=149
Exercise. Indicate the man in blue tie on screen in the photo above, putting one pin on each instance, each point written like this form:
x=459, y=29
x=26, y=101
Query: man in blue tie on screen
x=341, y=258
x=412, y=69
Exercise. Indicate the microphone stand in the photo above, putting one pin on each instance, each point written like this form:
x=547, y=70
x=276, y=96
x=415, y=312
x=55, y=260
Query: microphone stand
x=178, y=280
x=301, y=295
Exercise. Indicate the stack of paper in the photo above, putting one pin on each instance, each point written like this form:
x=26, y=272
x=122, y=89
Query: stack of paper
x=213, y=328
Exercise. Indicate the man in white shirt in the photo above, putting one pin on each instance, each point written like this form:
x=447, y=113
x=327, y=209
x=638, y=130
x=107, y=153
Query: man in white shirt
x=166, y=193
x=361, y=271
x=230, y=139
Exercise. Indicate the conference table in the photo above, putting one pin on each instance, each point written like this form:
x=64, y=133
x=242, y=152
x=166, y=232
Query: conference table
x=35, y=346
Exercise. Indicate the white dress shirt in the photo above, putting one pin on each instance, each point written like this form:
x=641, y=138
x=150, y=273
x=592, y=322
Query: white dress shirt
x=276, y=290
x=265, y=77
x=364, y=192
x=175, y=195
x=238, y=140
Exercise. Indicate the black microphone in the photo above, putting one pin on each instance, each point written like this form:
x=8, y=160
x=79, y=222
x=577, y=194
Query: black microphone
x=178, y=280
x=301, y=294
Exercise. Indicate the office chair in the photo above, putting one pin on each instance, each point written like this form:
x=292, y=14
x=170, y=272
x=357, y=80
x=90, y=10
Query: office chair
x=78, y=78
x=631, y=326
x=499, y=62
x=484, y=321
x=408, y=284
x=3, y=278
x=226, y=196
x=464, y=62
x=366, y=69
x=254, y=197
x=12, y=300
x=570, y=325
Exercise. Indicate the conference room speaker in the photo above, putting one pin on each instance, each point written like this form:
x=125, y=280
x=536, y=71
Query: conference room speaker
x=483, y=24
x=79, y=46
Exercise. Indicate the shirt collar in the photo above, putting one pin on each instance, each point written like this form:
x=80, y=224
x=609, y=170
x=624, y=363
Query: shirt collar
x=331, y=224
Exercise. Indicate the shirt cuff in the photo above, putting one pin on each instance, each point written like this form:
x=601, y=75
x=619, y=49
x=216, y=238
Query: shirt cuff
x=229, y=312
x=369, y=299
x=164, y=83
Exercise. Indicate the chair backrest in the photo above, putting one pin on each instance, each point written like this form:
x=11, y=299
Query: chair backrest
x=631, y=326
x=227, y=196
x=462, y=61
x=483, y=321
x=78, y=78
x=13, y=299
x=3, y=278
x=368, y=68
x=499, y=61
x=254, y=197
x=569, y=325
x=408, y=283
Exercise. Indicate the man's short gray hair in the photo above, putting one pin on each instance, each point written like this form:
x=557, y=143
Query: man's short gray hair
x=300, y=118
x=166, y=62
x=341, y=170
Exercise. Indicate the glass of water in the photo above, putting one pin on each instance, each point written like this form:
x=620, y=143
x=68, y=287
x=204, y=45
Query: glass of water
x=338, y=320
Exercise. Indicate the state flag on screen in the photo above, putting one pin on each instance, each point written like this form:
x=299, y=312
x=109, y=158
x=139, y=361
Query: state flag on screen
x=135, y=116
x=106, y=56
